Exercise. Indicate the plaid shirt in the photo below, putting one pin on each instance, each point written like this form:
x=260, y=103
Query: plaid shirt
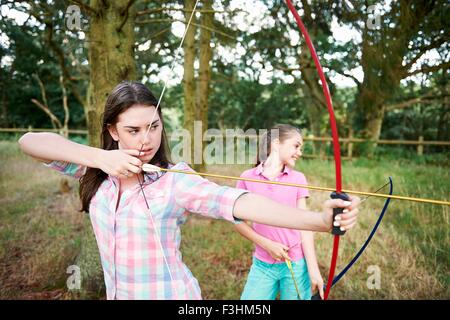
x=131, y=255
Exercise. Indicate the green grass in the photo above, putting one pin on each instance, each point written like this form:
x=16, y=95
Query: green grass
x=411, y=247
x=39, y=228
x=420, y=230
x=42, y=233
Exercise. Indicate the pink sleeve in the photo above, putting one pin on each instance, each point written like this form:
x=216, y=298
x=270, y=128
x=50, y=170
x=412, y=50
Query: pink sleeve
x=302, y=192
x=240, y=184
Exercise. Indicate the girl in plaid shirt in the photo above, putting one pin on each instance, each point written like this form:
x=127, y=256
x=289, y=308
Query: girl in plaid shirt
x=136, y=216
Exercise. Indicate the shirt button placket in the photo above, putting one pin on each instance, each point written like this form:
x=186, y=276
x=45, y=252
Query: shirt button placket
x=113, y=249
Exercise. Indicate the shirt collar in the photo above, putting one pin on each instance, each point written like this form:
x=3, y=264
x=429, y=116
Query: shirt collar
x=149, y=177
x=260, y=167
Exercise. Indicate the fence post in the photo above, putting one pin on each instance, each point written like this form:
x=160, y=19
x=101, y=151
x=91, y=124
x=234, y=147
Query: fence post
x=313, y=142
x=350, y=144
x=420, y=146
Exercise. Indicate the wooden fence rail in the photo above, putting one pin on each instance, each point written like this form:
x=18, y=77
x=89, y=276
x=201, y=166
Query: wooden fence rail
x=348, y=141
x=31, y=129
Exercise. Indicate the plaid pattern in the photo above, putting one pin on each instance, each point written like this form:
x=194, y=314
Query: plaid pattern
x=131, y=256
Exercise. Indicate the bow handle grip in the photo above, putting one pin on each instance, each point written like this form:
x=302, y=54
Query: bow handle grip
x=316, y=296
x=335, y=195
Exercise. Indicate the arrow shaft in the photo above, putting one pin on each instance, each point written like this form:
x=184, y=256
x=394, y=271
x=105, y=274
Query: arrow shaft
x=363, y=193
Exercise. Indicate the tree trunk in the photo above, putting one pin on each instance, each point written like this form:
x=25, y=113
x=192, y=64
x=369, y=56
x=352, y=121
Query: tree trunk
x=383, y=53
x=189, y=77
x=373, y=108
x=4, y=113
x=316, y=113
x=111, y=60
x=204, y=76
x=377, y=87
x=312, y=89
x=443, y=132
x=111, y=57
x=65, y=127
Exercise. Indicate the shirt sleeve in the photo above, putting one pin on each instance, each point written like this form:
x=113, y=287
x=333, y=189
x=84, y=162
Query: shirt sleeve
x=67, y=168
x=199, y=195
x=302, y=192
x=240, y=184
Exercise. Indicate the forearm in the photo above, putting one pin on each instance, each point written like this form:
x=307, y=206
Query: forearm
x=307, y=238
x=247, y=232
x=308, y=249
x=260, y=209
x=47, y=146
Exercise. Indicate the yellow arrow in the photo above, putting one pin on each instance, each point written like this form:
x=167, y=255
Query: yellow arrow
x=288, y=263
x=152, y=168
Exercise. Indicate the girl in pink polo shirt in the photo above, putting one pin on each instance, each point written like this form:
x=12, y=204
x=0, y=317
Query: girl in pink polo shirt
x=269, y=275
x=136, y=216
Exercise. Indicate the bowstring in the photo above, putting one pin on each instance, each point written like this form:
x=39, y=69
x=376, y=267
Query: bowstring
x=157, y=235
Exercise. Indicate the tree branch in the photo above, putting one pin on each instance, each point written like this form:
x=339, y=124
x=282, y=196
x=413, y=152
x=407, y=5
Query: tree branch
x=44, y=106
x=88, y=9
x=348, y=75
x=435, y=44
x=156, y=34
x=183, y=21
x=62, y=62
x=125, y=13
x=286, y=69
x=156, y=10
x=427, y=69
x=424, y=99
x=42, y=88
x=55, y=48
x=422, y=51
x=65, y=105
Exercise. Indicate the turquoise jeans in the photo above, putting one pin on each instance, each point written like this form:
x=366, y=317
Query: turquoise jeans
x=266, y=280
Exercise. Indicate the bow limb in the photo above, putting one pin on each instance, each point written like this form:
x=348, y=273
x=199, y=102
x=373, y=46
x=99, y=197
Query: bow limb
x=369, y=238
x=366, y=243
x=334, y=132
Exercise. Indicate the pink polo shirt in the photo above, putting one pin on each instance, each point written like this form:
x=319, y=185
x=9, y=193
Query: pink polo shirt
x=282, y=194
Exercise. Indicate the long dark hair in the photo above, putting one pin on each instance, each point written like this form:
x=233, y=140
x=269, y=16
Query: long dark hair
x=124, y=95
x=280, y=131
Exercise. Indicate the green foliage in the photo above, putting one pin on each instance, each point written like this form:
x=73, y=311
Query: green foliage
x=240, y=95
x=79, y=139
x=31, y=55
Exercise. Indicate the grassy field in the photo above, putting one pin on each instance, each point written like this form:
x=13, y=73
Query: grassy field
x=42, y=234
